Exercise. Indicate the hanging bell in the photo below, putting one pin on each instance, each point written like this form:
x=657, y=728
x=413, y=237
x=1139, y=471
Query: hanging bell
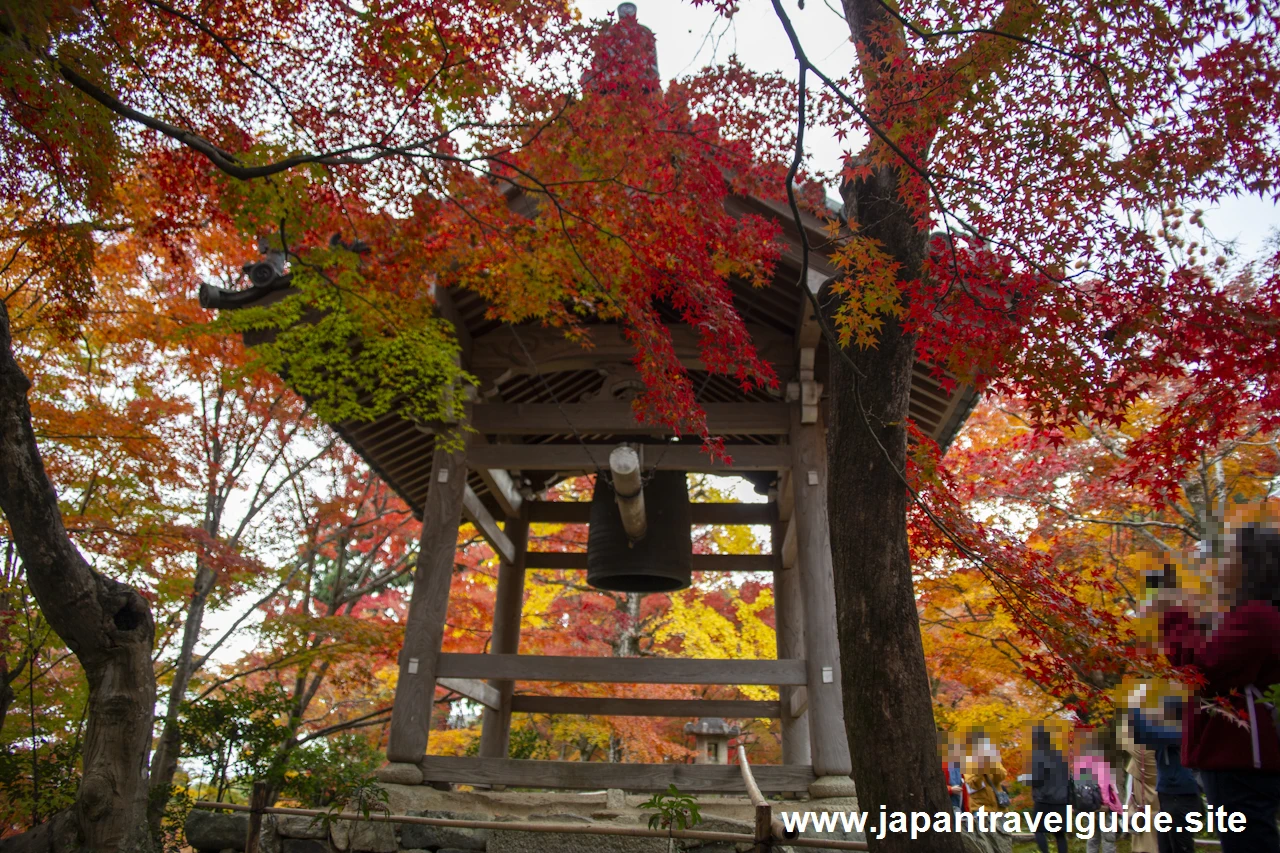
x=662, y=559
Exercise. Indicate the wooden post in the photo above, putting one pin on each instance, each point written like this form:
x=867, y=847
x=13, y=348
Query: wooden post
x=628, y=490
x=828, y=739
x=789, y=622
x=257, y=802
x=424, y=628
x=508, y=607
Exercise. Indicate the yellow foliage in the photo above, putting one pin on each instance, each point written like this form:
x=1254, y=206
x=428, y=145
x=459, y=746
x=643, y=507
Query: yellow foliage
x=453, y=741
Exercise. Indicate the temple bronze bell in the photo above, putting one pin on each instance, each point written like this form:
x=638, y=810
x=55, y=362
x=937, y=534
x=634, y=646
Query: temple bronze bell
x=661, y=559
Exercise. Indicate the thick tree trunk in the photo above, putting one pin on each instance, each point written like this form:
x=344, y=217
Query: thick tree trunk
x=885, y=682
x=106, y=623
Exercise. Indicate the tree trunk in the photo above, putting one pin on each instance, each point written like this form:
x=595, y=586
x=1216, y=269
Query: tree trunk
x=106, y=623
x=6, y=690
x=885, y=682
x=7, y=677
x=627, y=644
x=164, y=762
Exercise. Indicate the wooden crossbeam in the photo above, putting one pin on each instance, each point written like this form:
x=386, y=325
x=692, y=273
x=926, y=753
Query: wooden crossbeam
x=474, y=511
x=476, y=691
x=595, y=775
x=799, y=701
x=682, y=457
x=503, y=489
x=612, y=707
x=500, y=350
x=445, y=305
x=573, y=560
x=499, y=483
x=579, y=512
x=788, y=556
x=620, y=419
x=601, y=670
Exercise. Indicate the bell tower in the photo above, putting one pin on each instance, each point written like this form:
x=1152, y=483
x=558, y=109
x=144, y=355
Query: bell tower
x=548, y=409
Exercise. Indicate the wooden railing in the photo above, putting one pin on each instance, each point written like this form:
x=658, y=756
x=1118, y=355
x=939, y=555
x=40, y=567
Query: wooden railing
x=767, y=826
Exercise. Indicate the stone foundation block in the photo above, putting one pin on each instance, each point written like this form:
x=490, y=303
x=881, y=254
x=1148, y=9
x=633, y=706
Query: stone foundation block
x=364, y=837
x=216, y=830
x=416, y=835
x=398, y=773
x=303, y=845
x=826, y=787
x=298, y=826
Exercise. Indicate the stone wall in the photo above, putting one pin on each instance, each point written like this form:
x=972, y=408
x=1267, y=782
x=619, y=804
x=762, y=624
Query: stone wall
x=221, y=832
x=210, y=832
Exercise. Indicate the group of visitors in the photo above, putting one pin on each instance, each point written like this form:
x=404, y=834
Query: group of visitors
x=1223, y=743
x=1217, y=750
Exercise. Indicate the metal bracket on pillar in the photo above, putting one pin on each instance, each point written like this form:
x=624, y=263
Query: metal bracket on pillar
x=806, y=391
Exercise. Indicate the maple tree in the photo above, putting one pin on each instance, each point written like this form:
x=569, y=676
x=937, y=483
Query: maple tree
x=332, y=622
x=167, y=452
x=1063, y=154
x=1078, y=503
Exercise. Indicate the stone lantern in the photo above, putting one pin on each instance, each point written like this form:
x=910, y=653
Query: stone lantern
x=711, y=737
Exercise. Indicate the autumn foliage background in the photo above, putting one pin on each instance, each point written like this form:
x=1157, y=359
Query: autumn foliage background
x=1129, y=361
x=171, y=449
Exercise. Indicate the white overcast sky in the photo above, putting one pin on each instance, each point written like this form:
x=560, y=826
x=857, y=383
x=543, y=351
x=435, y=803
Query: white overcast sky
x=690, y=37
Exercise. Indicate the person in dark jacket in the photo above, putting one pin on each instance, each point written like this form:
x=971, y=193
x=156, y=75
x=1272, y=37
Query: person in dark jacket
x=1050, y=777
x=1176, y=785
x=1238, y=653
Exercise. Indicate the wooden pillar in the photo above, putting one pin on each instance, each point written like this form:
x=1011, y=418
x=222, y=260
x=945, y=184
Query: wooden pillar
x=424, y=628
x=508, y=607
x=788, y=610
x=828, y=738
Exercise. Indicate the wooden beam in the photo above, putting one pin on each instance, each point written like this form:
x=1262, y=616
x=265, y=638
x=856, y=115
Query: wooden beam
x=610, y=707
x=799, y=702
x=827, y=735
x=499, y=350
x=575, y=560
x=788, y=617
x=600, y=670
x=596, y=775
x=579, y=512
x=620, y=419
x=499, y=484
x=508, y=606
x=473, y=510
x=682, y=457
x=476, y=691
x=428, y=604
x=789, y=544
x=449, y=311
x=730, y=513
x=808, y=329
x=786, y=498
x=628, y=490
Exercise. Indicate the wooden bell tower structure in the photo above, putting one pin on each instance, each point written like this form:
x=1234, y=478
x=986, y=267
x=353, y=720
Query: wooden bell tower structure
x=548, y=409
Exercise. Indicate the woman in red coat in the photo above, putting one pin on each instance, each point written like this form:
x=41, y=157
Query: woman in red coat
x=1239, y=654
